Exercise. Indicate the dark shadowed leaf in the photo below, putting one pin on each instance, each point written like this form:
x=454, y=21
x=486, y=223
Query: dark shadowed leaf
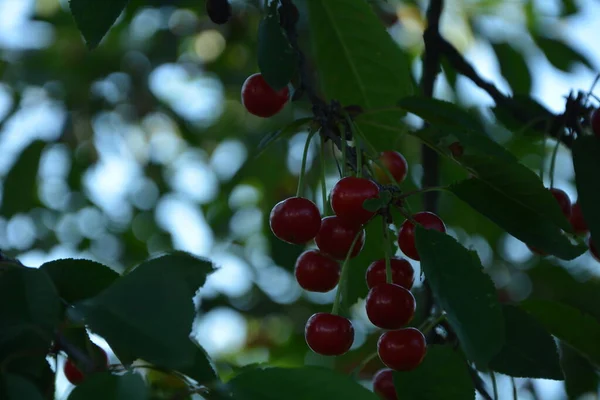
x=561, y=55
x=202, y=369
x=94, y=19
x=360, y=64
x=103, y=385
x=443, y=375
x=80, y=279
x=296, y=384
x=574, y=327
x=580, y=376
x=524, y=115
x=513, y=67
x=586, y=160
x=465, y=292
x=529, y=350
x=19, y=187
x=16, y=387
x=440, y=112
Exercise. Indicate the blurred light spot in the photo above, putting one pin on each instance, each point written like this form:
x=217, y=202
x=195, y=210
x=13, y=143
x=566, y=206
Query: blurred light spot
x=228, y=158
x=144, y=194
x=107, y=248
x=53, y=193
x=143, y=226
x=246, y=222
x=296, y=150
x=233, y=276
x=145, y=24
x=183, y=22
x=221, y=331
x=513, y=250
x=91, y=222
x=165, y=146
x=20, y=232
x=519, y=286
x=321, y=298
x=55, y=162
x=209, y=45
x=278, y=284
x=244, y=196
x=193, y=178
x=67, y=229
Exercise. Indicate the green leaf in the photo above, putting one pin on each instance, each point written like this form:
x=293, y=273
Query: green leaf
x=439, y=112
x=95, y=19
x=28, y=303
x=19, y=188
x=378, y=202
x=465, y=292
x=443, y=375
x=103, y=385
x=580, y=376
x=561, y=55
x=277, y=60
x=570, y=7
x=25, y=355
x=524, y=115
x=529, y=350
x=312, y=383
x=202, y=369
x=79, y=279
x=148, y=313
x=360, y=64
x=16, y=387
x=513, y=67
x=515, y=218
x=272, y=137
x=574, y=327
x=586, y=160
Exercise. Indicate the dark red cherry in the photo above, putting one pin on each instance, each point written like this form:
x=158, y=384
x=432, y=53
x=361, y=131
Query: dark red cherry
x=295, y=220
x=402, y=350
x=348, y=196
x=336, y=236
x=316, y=271
x=383, y=384
x=403, y=273
x=406, y=236
x=563, y=201
x=577, y=222
x=390, y=306
x=260, y=99
x=328, y=334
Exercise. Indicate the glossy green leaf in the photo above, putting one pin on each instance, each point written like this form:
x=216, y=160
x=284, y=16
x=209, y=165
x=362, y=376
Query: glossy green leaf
x=133, y=312
x=515, y=218
x=103, y=385
x=561, y=55
x=513, y=67
x=80, y=279
x=313, y=383
x=19, y=187
x=440, y=112
x=277, y=60
x=443, y=375
x=586, y=160
x=465, y=292
x=360, y=64
x=95, y=19
x=574, y=327
x=529, y=350
x=16, y=387
x=272, y=137
x=202, y=369
x=581, y=377
x=524, y=115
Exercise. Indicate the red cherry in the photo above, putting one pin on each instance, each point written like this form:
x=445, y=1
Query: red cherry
x=260, y=99
x=295, y=220
x=317, y=272
x=403, y=273
x=595, y=122
x=390, y=306
x=456, y=149
x=74, y=374
x=537, y=251
x=328, y=334
x=402, y=350
x=406, y=236
x=348, y=196
x=594, y=250
x=577, y=222
x=563, y=201
x=336, y=236
x=383, y=384
x=395, y=163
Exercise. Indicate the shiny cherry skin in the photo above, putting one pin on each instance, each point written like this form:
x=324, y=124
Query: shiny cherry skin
x=563, y=201
x=295, y=220
x=577, y=222
x=74, y=374
x=403, y=273
x=406, y=235
x=395, y=163
x=260, y=99
x=315, y=271
x=328, y=334
x=390, y=306
x=595, y=122
x=348, y=196
x=402, y=350
x=336, y=236
x=594, y=250
x=383, y=384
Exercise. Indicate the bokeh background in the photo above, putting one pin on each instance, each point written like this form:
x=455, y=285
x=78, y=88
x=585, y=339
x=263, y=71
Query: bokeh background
x=143, y=146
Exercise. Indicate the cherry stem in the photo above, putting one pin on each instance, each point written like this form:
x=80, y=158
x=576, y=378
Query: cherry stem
x=494, y=384
x=514, y=389
x=363, y=364
x=429, y=324
x=344, y=167
x=338, y=295
x=355, y=139
x=300, y=190
x=323, y=176
x=424, y=190
x=553, y=162
x=387, y=251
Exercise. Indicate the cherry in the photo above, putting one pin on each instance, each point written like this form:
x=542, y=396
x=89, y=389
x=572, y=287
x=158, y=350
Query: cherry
x=595, y=122
x=390, y=306
x=456, y=149
x=563, y=201
x=383, y=384
x=403, y=273
x=317, y=272
x=594, y=250
x=328, y=334
x=295, y=220
x=402, y=350
x=406, y=236
x=74, y=374
x=395, y=163
x=348, y=196
x=336, y=236
x=577, y=222
x=260, y=99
